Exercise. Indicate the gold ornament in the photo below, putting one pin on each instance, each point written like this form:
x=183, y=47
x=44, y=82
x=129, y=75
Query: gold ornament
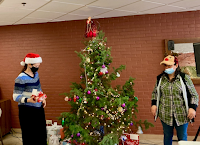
x=120, y=109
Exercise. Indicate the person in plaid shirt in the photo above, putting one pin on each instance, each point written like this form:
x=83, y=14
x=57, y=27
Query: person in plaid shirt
x=169, y=102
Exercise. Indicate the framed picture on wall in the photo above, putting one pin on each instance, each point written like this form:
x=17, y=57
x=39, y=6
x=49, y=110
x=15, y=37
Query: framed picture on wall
x=188, y=51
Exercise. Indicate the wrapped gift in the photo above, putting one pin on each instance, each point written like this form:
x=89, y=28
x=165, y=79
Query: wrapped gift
x=127, y=135
x=69, y=142
x=66, y=143
x=132, y=139
x=62, y=133
x=41, y=96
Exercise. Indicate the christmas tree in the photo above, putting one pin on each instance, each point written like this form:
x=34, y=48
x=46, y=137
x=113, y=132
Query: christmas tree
x=99, y=113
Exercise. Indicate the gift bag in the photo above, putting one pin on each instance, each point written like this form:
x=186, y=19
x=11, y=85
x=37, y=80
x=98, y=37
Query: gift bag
x=53, y=140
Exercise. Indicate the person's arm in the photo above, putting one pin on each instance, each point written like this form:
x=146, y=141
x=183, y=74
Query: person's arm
x=154, y=95
x=194, y=95
x=18, y=92
x=194, y=98
x=154, y=100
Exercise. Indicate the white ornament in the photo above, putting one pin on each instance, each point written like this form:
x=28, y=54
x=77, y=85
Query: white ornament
x=87, y=59
x=84, y=100
x=118, y=75
x=139, y=130
x=104, y=70
x=66, y=98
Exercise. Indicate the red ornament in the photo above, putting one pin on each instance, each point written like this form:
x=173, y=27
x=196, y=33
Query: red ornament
x=96, y=90
x=100, y=73
x=70, y=99
x=74, y=99
x=166, y=59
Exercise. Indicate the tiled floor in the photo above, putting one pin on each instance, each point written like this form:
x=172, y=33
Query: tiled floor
x=14, y=138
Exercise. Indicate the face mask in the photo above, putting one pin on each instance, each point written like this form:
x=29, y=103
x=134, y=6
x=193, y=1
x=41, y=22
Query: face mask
x=34, y=69
x=169, y=70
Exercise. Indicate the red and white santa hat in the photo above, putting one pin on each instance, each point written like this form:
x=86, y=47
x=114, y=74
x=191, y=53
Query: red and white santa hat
x=31, y=58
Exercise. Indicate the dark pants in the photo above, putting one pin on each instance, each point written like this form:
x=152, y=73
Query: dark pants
x=33, y=125
x=168, y=132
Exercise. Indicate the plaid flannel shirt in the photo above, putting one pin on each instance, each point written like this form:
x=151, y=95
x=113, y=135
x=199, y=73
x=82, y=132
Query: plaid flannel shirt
x=171, y=100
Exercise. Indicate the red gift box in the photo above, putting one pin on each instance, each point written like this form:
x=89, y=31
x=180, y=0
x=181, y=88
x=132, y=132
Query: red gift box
x=131, y=142
x=127, y=135
x=41, y=97
x=132, y=139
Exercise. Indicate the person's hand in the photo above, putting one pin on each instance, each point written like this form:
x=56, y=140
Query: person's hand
x=33, y=99
x=44, y=103
x=153, y=110
x=191, y=113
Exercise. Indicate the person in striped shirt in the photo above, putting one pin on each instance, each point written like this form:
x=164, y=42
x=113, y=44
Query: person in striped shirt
x=31, y=112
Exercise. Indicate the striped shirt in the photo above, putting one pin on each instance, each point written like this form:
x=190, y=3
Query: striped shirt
x=171, y=100
x=24, y=84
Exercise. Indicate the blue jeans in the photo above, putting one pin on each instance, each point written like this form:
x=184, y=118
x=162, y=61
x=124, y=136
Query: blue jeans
x=168, y=132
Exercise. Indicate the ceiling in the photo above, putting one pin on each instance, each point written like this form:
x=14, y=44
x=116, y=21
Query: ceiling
x=13, y=12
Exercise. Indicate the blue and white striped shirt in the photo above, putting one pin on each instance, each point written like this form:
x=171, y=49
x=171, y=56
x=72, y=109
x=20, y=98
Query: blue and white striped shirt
x=24, y=84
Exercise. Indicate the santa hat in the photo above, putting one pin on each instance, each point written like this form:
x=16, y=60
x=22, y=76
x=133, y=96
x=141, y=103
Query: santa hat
x=31, y=58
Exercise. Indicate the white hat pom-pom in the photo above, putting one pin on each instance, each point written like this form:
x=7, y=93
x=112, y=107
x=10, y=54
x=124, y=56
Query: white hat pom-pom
x=22, y=63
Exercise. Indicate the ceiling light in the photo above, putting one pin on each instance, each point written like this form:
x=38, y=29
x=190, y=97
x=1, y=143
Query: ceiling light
x=23, y=4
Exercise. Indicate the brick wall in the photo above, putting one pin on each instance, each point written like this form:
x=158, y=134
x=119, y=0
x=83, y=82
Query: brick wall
x=137, y=42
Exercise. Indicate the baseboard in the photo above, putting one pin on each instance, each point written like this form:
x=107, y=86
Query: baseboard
x=17, y=130
x=160, y=137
